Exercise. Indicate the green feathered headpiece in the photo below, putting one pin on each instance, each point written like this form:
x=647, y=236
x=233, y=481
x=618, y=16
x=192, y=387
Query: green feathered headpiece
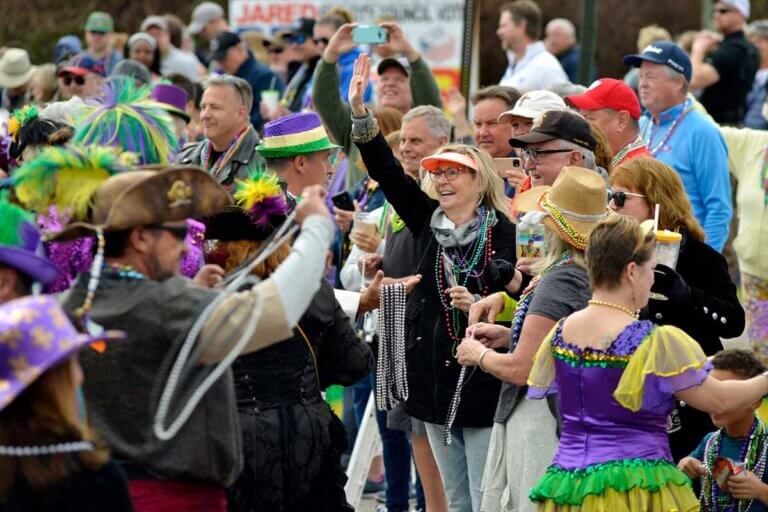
x=67, y=177
x=127, y=118
x=13, y=218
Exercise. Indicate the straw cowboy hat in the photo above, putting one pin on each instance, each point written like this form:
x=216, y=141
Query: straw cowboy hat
x=15, y=68
x=573, y=205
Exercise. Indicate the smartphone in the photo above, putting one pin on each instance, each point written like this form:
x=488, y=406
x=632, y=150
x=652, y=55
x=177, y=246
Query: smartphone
x=503, y=165
x=343, y=201
x=370, y=34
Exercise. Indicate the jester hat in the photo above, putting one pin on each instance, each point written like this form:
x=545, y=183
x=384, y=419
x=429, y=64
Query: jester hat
x=128, y=118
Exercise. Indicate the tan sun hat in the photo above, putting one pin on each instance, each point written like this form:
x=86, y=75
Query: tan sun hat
x=573, y=205
x=15, y=68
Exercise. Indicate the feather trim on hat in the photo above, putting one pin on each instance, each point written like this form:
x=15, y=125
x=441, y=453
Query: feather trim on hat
x=127, y=118
x=67, y=177
x=19, y=118
x=261, y=197
x=13, y=217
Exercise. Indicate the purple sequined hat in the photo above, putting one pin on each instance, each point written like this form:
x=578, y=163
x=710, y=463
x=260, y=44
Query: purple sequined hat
x=20, y=246
x=292, y=135
x=35, y=335
x=172, y=96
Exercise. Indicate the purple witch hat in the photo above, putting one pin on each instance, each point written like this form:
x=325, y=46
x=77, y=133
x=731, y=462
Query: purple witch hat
x=293, y=135
x=20, y=246
x=35, y=335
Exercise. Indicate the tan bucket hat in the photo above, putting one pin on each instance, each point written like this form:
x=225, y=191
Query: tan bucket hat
x=15, y=68
x=573, y=205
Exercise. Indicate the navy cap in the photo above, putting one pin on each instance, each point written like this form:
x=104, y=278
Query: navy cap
x=222, y=42
x=663, y=52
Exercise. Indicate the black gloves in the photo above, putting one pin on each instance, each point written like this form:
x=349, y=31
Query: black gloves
x=668, y=282
x=498, y=273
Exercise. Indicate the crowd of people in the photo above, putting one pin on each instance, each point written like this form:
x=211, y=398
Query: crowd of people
x=203, y=231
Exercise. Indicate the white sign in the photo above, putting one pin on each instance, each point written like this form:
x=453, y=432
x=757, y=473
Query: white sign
x=435, y=28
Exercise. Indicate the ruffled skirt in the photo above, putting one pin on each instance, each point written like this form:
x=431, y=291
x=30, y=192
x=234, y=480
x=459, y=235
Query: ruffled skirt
x=619, y=486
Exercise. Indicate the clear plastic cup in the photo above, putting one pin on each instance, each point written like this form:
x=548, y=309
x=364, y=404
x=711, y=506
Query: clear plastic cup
x=270, y=98
x=530, y=241
x=668, y=247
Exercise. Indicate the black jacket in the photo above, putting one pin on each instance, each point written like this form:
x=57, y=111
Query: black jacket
x=432, y=369
x=260, y=78
x=239, y=166
x=710, y=311
x=84, y=490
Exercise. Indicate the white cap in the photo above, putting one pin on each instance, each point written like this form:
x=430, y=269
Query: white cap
x=204, y=14
x=533, y=103
x=154, y=21
x=740, y=5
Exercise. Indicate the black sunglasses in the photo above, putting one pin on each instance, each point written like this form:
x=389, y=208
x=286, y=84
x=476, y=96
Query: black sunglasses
x=322, y=40
x=68, y=79
x=532, y=155
x=723, y=10
x=620, y=198
x=277, y=50
x=97, y=32
x=178, y=232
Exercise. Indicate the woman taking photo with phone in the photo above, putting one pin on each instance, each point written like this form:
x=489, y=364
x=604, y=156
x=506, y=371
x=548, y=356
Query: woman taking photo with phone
x=618, y=378
x=697, y=295
x=456, y=237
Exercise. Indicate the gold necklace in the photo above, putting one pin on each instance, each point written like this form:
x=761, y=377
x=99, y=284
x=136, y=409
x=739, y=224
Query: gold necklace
x=597, y=302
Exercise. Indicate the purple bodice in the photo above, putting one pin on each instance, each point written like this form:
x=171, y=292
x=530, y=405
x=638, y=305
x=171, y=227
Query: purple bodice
x=596, y=428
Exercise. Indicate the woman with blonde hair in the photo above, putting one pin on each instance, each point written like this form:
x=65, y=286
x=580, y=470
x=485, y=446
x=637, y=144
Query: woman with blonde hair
x=456, y=237
x=525, y=432
x=618, y=379
x=699, y=296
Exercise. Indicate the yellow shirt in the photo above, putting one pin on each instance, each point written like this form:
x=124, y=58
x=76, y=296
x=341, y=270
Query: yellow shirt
x=746, y=157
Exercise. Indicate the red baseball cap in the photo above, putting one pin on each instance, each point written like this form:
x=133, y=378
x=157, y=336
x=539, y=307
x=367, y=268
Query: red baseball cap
x=607, y=93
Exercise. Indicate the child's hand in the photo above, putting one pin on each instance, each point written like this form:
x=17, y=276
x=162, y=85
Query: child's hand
x=746, y=486
x=691, y=467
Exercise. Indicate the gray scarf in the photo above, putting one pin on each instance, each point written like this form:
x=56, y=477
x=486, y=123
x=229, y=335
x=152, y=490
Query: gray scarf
x=449, y=236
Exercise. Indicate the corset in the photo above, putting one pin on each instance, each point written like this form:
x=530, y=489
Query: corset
x=280, y=375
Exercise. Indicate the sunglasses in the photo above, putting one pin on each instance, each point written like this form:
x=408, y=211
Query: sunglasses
x=97, y=32
x=322, y=40
x=298, y=39
x=178, y=232
x=68, y=79
x=275, y=50
x=451, y=173
x=722, y=10
x=532, y=155
x=619, y=198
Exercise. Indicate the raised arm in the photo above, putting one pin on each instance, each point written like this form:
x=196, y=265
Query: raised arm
x=424, y=88
x=403, y=193
x=325, y=88
x=284, y=297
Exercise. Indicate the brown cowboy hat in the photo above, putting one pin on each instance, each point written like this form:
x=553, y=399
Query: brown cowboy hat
x=148, y=197
x=578, y=195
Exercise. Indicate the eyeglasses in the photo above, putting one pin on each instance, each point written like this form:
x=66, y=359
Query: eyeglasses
x=619, y=198
x=68, y=79
x=532, y=155
x=178, y=232
x=451, y=173
x=322, y=40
